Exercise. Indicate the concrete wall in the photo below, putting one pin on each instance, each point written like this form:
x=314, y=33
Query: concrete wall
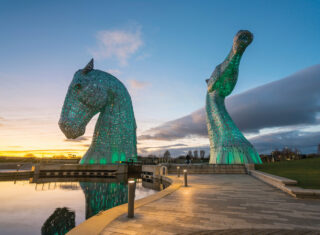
x=207, y=168
x=154, y=170
x=77, y=167
x=16, y=175
x=14, y=166
x=76, y=170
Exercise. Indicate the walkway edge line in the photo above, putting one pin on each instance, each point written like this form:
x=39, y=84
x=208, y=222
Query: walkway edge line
x=286, y=185
x=97, y=223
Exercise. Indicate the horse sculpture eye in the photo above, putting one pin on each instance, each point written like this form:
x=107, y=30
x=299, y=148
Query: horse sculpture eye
x=78, y=86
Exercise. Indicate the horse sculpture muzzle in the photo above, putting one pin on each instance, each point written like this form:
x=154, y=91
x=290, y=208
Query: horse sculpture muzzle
x=69, y=130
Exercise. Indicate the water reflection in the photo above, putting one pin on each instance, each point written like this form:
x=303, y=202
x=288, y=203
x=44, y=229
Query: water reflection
x=55, y=205
x=60, y=222
x=155, y=184
x=102, y=196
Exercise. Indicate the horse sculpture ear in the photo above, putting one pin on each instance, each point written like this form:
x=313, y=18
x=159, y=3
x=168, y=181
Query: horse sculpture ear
x=88, y=67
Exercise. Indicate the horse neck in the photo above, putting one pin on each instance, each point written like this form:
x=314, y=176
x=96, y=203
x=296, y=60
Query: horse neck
x=110, y=126
x=219, y=118
x=101, y=135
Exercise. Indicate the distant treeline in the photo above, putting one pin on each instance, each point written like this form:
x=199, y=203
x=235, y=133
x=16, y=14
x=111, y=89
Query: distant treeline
x=199, y=157
x=196, y=157
x=286, y=154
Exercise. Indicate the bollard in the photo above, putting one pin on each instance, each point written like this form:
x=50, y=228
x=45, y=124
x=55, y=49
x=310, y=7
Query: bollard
x=185, y=173
x=131, y=195
x=178, y=171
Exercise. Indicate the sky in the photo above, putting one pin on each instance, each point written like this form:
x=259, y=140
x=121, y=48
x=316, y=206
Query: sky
x=162, y=51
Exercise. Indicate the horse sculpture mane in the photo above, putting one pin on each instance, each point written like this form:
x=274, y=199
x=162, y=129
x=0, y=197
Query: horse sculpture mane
x=227, y=143
x=93, y=91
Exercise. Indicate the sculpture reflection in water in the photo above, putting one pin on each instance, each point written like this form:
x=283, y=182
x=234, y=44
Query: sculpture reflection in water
x=101, y=196
x=60, y=222
x=227, y=143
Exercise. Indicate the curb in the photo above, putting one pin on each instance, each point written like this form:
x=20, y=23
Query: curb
x=10, y=174
x=286, y=185
x=97, y=223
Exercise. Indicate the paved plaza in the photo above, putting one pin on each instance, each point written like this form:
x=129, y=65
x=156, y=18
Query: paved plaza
x=223, y=202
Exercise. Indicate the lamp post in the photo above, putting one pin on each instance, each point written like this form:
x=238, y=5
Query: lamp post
x=185, y=173
x=131, y=196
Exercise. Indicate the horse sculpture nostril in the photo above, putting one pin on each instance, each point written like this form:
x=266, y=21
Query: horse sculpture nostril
x=62, y=125
x=65, y=128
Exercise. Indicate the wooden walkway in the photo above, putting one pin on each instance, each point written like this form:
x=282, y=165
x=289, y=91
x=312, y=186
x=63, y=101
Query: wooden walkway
x=223, y=204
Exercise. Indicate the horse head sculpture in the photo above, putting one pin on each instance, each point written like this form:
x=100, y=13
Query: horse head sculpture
x=93, y=91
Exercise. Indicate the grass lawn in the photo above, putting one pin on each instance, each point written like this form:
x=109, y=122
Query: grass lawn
x=306, y=171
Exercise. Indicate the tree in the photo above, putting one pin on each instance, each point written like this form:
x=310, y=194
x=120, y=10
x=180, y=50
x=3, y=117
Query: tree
x=61, y=156
x=30, y=155
x=202, y=153
x=285, y=154
x=195, y=154
x=166, y=156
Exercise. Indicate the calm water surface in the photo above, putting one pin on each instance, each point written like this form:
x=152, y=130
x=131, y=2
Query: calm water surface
x=25, y=207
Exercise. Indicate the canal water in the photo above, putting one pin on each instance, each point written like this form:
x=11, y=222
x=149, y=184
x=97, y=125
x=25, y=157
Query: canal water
x=57, y=206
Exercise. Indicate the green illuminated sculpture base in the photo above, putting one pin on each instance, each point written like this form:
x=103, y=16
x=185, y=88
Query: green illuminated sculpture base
x=227, y=143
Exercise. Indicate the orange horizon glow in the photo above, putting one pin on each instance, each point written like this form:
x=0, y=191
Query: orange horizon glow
x=49, y=153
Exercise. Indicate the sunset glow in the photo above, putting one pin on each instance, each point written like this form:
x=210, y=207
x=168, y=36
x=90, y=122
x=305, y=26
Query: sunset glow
x=164, y=65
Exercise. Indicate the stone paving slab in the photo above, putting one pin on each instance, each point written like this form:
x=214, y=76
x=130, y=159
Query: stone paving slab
x=222, y=202
x=258, y=232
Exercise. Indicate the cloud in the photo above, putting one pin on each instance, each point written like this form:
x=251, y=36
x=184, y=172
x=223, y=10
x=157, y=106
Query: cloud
x=1, y=119
x=79, y=139
x=306, y=142
x=137, y=85
x=165, y=147
x=118, y=44
x=114, y=72
x=175, y=152
x=294, y=100
x=160, y=149
x=193, y=124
